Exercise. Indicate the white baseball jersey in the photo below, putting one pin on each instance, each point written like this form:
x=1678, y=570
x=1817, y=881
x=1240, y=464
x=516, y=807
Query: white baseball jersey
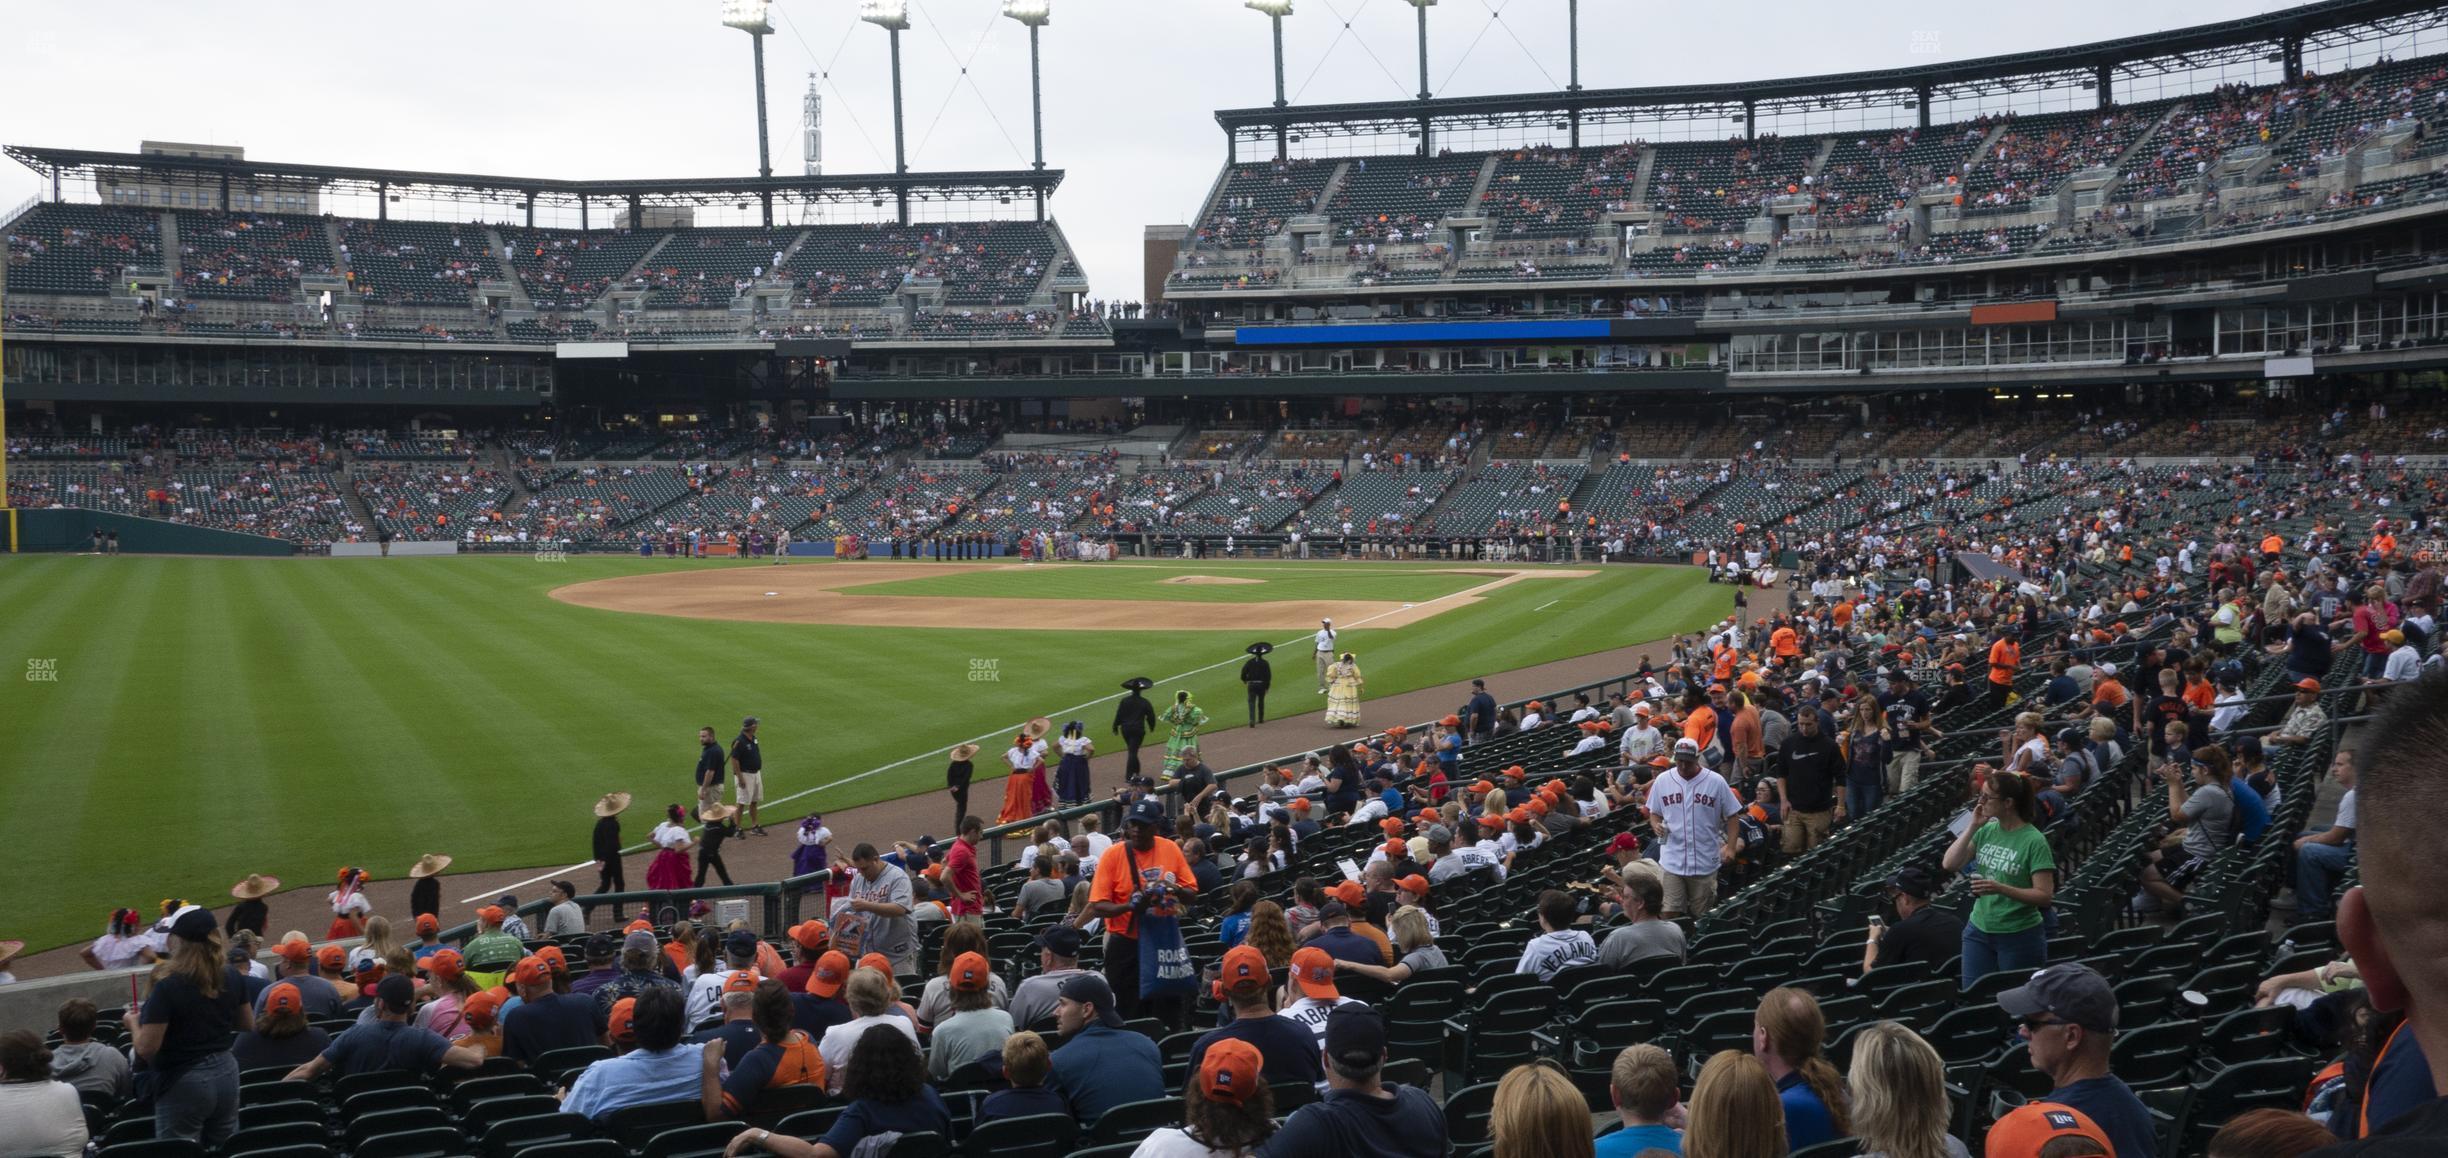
x=1325, y=639
x=1694, y=812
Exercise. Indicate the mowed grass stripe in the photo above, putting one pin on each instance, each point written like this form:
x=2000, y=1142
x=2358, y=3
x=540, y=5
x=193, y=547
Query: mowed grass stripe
x=245, y=714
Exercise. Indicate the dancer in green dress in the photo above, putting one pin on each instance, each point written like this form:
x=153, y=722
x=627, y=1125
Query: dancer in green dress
x=1186, y=719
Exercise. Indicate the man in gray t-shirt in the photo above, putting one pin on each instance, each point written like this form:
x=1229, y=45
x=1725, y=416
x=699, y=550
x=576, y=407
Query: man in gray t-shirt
x=1641, y=896
x=2208, y=816
x=879, y=907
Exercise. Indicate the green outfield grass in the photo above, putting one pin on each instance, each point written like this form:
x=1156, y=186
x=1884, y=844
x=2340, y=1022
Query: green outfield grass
x=215, y=717
x=1272, y=582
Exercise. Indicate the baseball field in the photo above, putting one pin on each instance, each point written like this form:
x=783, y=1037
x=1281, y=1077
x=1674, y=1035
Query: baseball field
x=181, y=722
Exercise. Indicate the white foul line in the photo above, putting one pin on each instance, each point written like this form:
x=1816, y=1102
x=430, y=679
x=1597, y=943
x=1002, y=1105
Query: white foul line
x=882, y=768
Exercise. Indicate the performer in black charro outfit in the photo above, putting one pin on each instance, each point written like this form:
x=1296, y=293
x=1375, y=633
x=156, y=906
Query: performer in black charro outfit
x=956, y=780
x=1131, y=721
x=608, y=843
x=1258, y=675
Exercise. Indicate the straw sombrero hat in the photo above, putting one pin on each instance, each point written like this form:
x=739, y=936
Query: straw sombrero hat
x=717, y=812
x=964, y=751
x=428, y=865
x=1037, y=728
x=9, y=951
x=612, y=804
x=255, y=885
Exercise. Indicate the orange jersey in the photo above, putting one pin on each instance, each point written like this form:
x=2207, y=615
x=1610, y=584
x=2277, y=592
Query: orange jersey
x=2004, y=657
x=1785, y=643
x=1114, y=883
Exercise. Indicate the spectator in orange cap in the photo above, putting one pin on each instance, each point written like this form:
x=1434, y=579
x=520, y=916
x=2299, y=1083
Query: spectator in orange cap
x=809, y=940
x=429, y=935
x=294, y=963
x=331, y=963
x=818, y=1005
x=544, y=1020
x=447, y=990
x=481, y=1012
x=620, y=1028
x=281, y=1036
x=491, y=952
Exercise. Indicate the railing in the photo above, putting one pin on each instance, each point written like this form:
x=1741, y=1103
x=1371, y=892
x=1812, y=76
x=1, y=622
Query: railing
x=780, y=904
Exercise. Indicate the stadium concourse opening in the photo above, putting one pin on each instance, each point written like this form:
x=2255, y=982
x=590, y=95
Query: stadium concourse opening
x=824, y=593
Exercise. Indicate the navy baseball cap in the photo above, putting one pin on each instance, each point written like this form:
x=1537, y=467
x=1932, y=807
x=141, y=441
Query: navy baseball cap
x=1090, y=989
x=2071, y=991
x=1061, y=940
x=1147, y=810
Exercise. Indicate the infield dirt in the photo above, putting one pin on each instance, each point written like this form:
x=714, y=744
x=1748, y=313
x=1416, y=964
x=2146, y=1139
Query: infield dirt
x=826, y=594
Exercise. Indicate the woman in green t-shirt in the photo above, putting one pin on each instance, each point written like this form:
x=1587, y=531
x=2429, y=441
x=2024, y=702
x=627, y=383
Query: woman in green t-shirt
x=2014, y=877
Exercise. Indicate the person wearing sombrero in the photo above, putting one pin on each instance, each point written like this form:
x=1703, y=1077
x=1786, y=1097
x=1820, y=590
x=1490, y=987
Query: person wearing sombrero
x=957, y=775
x=606, y=847
x=1185, y=718
x=1071, y=776
x=425, y=893
x=250, y=913
x=1258, y=675
x=1132, y=719
x=1025, y=792
x=1343, y=684
x=670, y=867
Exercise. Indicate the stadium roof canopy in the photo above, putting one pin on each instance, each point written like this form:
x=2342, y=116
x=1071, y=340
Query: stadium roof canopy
x=970, y=186
x=2277, y=38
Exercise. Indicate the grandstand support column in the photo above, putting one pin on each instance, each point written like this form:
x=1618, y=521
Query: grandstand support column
x=1922, y=98
x=382, y=201
x=2291, y=50
x=1750, y=120
x=2105, y=77
x=1427, y=143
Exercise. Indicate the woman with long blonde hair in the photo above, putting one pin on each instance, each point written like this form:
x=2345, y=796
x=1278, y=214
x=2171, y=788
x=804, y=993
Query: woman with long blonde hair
x=184, y=1031
x=1539, y=1114
x=378, y=936
x=1899, y=1099
x=1734, y=1112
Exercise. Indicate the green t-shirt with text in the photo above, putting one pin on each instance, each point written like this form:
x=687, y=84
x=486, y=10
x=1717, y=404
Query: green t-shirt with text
x=2009, y=858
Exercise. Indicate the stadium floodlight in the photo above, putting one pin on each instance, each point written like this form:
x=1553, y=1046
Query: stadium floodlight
x=752, y=17
x=1276, y=10
x=892, y=14
x=749, y=16
x=1036, y=14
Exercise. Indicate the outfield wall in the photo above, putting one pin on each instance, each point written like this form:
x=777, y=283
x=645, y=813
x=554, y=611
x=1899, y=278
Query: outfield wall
x=69, y=529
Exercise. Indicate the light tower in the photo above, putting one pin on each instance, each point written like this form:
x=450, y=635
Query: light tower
x=1035, y=14
x=893, y=17
x=1423, y=6
x=811, y=130
x=749, y=16
x=1276, y=10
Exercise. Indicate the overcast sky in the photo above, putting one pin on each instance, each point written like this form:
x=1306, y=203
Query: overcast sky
x=657, y=88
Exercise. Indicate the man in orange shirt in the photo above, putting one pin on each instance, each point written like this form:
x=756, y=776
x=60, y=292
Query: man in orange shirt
x=2005, y=655
x=1786, y=643
x=1145, y=873
x=2107, y=694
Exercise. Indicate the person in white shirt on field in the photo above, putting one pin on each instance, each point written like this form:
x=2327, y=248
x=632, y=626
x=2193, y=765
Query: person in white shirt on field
x=1325, y=652
x=1693, y=812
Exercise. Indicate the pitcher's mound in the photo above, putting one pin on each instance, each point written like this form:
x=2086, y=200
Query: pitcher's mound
x=1209, y=580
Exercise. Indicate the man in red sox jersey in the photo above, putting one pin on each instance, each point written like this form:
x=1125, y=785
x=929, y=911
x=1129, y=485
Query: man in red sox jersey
x=1693, y=811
